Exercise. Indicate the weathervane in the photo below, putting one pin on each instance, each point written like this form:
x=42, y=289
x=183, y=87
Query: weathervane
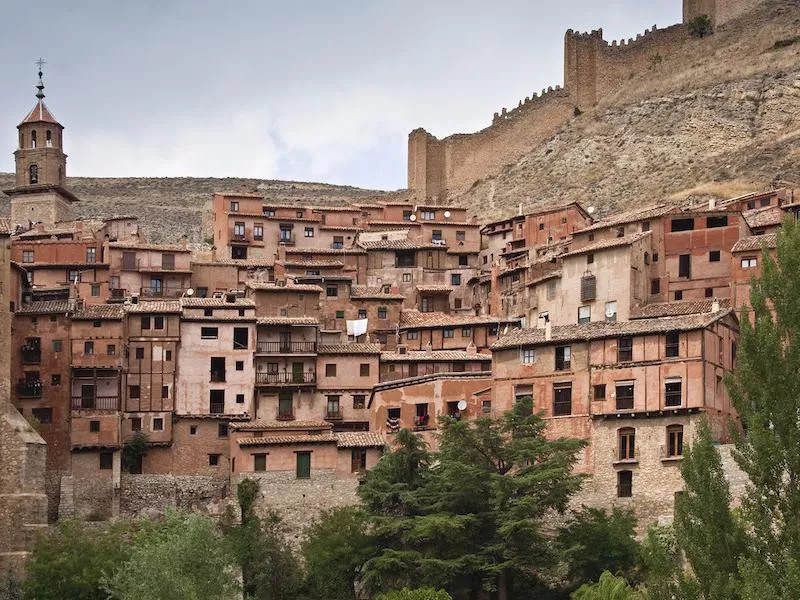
x=40, y=86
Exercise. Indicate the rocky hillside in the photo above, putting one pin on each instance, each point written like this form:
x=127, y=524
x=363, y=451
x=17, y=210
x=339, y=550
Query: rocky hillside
x=719, y=117
x=169, y=207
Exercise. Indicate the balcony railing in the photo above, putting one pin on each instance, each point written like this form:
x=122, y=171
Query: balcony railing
x=95, y=403
x=240, y=238
x=333, y=414
x=216, y=408
x=285, y=414
x=162, y=292
x=286, y=347
x=288, y=240
x=117, y=294
x=29, y=389
x=218, y=376
x=286, y=378
x=31, y=356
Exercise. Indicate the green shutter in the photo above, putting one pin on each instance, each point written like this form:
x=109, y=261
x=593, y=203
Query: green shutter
x=303, y=465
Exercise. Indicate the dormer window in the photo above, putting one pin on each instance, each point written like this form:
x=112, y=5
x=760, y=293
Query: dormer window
x=33, y=174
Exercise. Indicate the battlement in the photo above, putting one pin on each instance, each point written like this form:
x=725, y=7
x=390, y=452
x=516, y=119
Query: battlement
x=529, y=103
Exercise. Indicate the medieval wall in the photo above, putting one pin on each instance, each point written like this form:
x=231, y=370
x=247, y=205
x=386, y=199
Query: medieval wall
x=719, y=11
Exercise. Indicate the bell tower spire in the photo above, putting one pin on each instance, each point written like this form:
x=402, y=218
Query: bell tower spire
x=40, y=86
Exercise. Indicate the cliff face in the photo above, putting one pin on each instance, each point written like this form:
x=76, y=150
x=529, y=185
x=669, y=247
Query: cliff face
x=718, y=117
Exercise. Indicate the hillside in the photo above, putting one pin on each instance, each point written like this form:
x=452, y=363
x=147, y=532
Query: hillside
x=171, y=206
x=718, y=117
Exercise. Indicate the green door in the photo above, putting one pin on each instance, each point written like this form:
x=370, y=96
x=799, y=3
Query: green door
x=304, y=465
x=297, y=372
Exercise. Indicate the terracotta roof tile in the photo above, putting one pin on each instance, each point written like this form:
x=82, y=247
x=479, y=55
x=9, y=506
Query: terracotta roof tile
x=148, y=247
x=599, y=330
x=756, y=242
x=289, y=287
x=290, y=438
x=287, y=321
x=312, y=251
x=433, y=356
x=99, y=312
x=263, y=425
x=44, y=307
x=403, y=244
x=433, y=288
x=675, y=309
x=631, y=216
x=40, y=113
x=216, y=303
x=236, y=262
x=155, y=306
x=610, y=243
x=764, y=217
x=365, y=292
x=351, y=348
x=313, y=264
x=5, y=226
x=359, y=439
x=414, y=319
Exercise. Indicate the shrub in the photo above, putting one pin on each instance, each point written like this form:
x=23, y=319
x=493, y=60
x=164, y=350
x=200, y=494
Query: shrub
x=700, y=26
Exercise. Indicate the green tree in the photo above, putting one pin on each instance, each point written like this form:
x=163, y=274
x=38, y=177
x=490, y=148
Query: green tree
x=765, y=390
x=183, y=558
x=71, y=560
x=591, y=529
x=700, y=26
x=707, y=532
x=660, y=562
x=133, y=450
x=336, y=547
x=418, y=594
x=472, y=518
x=608, y=587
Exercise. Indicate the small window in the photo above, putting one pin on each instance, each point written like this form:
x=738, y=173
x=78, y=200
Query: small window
x=611, y=311
x=624, y=392
x=427, y=215
x=455, y=279
x=57, y=345
x=749, y=262
x=463, y=260
x=541, y=226
x=55, y=379
x=168, y=355
x=330, y=370
x=94, y=426
x=234, y=206
x=165, y=391
x=338, y=242
x=624, y=484
x=240, y=365
x=303, y=465
x=332, y=291
x=97, y=323
x=461, y=236
x=627, y=443
x=258, y=231
x=209, y=333
x=655, y=257
x=308, y=232
x=158, y=322
x=222, y=430
x=340, y=314
x=599, y=391
x=682, y=224
x=647, y=258
x=88, y=348
x=241, y=337
x=133, y=392
x=448, y=333
x=299, y=214
x=208, y=312
x=685, y=265
x=486, y=406
x=259, y=462
x=382, y=312
x=584, y=314
x=436, y=235
x=625, y=349
x=562, y=399
x=111, y=349
x=91, y=255
x=717, y=221
x=714, y=256
x=406, y=215
x=139, y=353
x=43, y=415
x=406, y=277
x=239, y=398
x=672, y=346
x=27, y=256
x=466, y=332
x=192, y=429
x=679, y=295
x=655, y=287
x=364, y=370
x=213, y=460
x=675, y=440
x=359, y=401
x=158, y=424
x=362, y=313
x=646, y=226
x=106, y=460
x=528, y=356
x=95, y=290
x=412, y=335
x=709, y=292
x=672, y=393
x=590, y=258
x=563, y=358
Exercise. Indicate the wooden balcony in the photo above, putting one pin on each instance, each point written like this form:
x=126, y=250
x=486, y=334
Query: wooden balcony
x=95, y=403
x=31, y=356
x=286, y=347
x=286, y=378
x=333, y=415
x=29, y=389
x=284, y=414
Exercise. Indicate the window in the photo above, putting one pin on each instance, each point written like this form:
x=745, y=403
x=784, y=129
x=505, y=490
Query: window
x=425, y=305
x=268, y=212
x=427, y=215
x=528, y=356
x=672, y=393
x=685, y=265
x=97, y=323
x=95, y=290
x=258, y=231
x=709, y=292
x=49, y=144
x=541, y=226
x=91, y=255
x=448, y=333
x=655, y=287
x=589, y=258
x=208, y=312
x=338, y=242
x=624, y=392
x=285, y=233
x=363, y=370
x=646, y=226
x=627, y=443
x=308, y=232
x=455, y=279
x=94, y=426
x=466, y=332
x=749, y=262
x=57, y=345
x=234, y=206
x=111, y=350
x=625, y=349
x=330, y=370
x=303, y=465
x=43, y=415
x=672, y=345
x=358, y=460
x=259, y=462
x=647, y=258
x=73, y=276
x=88, y=348
x=165, y=391
x=239, y=398
x=600, y=391
x=655, y=257
x=412, y=335
x=682, y=224
x=332, y=291
x=158, y=322
x=33, y=170
x=382, y=312
x=486, y=406
x=238, y=229
x=563, y=358
x=678, y=295
x=362, y=313
x=406, y=215
x=168, y=355
x=134, y=392
x=406, y=277
x=192, y=429
x=106, y=460
x=240, y=365
x=209, y=333
x=675, y=440
x=340, y=314
x=611, y=311
x=222, y=430
x=436, y=235
x=461, y=236
x=562, y=399
x=55, y=379
x=584, y=314
x=717, y=221
x=624, y=484
x=463, y=260
x=158, y=424
x=713, y=256
x=139, y=353
x=588, y=288
x=359, y=401
x=240, y=338
x=213, y=460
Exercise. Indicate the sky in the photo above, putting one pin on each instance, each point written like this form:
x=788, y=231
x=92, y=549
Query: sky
x=308, y=90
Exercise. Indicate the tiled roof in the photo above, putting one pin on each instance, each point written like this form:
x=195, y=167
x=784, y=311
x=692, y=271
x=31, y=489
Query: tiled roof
x=359, y=439
x=5, y=226
x=313, y=264
x=432, y=288
x=542, y=211
x=341, y=227
x=413, y=319
x=289, y=287
x=43, y=307
x=398, y=383
x=99, y=312
x=609, y=243
x=261, y=425
x=389, y=222
x=404, y=244
x=756, y=242
x=674, y=309
x=433, y=356
x=40, y=113
x=216, y=303
x=287, y=321
x=599, y=330
x=156, y=306
x=146, y=247
x=764, y=217
x=545, y=277
x=289, y=438
x=236, y=262
x=365, y=292
x=352, y=348
x=639, y=214
x=312, y=251
x=48, y=232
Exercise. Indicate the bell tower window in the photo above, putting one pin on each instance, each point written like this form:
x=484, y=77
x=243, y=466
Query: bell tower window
x=21, y=140
x=33, y=174
x=49, y=139
x=33, y=139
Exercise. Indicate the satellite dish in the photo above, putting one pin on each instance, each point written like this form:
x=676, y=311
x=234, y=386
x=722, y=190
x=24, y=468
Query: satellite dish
x=447, y=214
x=590, y=210
x=412, y=218
x=190, y=292
x=462, y=404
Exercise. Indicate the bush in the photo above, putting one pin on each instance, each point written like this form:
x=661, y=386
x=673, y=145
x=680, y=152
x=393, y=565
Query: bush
x=700, y=26
x=418, y=594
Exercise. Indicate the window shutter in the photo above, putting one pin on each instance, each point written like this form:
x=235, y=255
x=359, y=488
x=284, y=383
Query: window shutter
x=588, y=287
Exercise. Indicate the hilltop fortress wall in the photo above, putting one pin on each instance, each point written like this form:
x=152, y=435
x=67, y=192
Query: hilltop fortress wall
x=593, y=69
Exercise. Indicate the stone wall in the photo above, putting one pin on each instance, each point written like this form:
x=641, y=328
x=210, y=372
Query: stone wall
x=720, y=11
x=151, y=495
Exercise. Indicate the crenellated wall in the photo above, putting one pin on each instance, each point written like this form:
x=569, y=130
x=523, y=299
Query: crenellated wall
x=719, y=11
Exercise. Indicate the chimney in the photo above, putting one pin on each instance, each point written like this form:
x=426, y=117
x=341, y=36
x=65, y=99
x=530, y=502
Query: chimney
x=185, y=241
x=541, y=322
x=281, y=251
x=712, y=203
x=471, y=351
x=428, y=349
x=715, y=305
x=548, y=331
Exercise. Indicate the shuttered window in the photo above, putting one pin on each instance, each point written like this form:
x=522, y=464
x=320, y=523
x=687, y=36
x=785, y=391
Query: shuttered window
x=588, y=288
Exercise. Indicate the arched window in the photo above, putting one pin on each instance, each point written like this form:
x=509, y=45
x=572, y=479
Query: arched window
x=675, y=440
x=627, y=443
x=49, y=139
x=33, y=174
x=21, y=140
x=624, y=484
x=33, y=139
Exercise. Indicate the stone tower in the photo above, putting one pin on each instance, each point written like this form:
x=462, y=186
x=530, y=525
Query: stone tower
x=40, y=194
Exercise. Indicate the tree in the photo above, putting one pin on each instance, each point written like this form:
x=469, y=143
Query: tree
x=71, y=560
x=418, y=594
x=336, y=547
x=473, y=517
x=700, y=26
x=765, y=390
x=132, y=452
x=706, y=529
x=593, y=528
x=608, y=587
x=661, y=564
x=184, y=557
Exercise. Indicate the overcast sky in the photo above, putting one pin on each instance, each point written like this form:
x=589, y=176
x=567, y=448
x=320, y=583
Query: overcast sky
x=314, y=90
